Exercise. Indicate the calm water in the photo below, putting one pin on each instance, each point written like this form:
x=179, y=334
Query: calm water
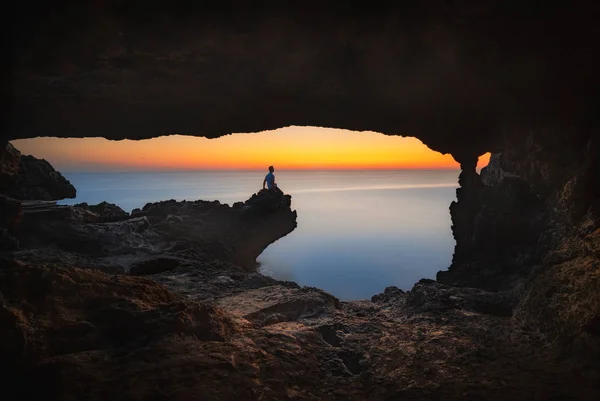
x=358, y=231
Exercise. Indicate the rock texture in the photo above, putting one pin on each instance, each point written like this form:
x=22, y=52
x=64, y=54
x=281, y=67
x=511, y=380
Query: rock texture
x=465, y=77
x=166, y=302
x=77, y=320
x=208, y=230
x=11, y=215
x=534, y=228
x=27, y=178
x=450, y=74
x=105, y=211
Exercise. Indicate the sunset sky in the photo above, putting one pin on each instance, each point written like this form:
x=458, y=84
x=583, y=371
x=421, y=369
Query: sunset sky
x=285, y=148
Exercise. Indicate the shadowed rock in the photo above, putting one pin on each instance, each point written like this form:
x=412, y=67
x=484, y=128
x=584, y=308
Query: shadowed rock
x=428, y=295
x=204, y=322
x=241, y=232
x=105, y=211
x=27, y=178
x=213, y=230
x=11, y=215
x=153, y=266
x=453, y=76
x=71, y=319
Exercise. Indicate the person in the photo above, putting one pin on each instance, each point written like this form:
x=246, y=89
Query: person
x=270, y=179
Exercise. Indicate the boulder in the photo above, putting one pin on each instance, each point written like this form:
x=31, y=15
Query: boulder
x=28, y=178
x=105, y=211
x=430, y=296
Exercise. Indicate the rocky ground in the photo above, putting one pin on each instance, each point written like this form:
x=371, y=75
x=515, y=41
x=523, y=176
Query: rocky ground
x=166, y=304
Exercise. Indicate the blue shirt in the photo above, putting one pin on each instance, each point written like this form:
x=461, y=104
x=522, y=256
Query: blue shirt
x=270, y=180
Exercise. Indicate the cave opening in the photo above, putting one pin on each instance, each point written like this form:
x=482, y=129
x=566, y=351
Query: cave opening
x=373, y=208
x=515, y=316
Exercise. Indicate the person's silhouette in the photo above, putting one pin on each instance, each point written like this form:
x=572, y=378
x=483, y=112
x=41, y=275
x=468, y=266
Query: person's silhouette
x=270, y=179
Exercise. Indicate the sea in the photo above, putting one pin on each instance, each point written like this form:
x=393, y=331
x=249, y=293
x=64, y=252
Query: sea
x=358, y=232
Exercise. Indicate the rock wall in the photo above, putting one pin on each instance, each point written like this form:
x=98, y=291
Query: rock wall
x=530, y=223
x=11, y=215
x=28, y=178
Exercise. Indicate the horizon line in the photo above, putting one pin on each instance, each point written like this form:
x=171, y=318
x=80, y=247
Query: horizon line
x=168, y=170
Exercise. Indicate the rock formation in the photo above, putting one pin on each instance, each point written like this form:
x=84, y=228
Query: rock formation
x=535, y=229
x=11, y=215
x=105, y=211
x=167, y=303
x=465, y=78
x=27, y=178
x=452, y=75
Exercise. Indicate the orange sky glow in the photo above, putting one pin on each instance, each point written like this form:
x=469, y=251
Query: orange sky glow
x=285, y=148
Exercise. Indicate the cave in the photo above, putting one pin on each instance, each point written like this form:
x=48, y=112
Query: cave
x=516, y=315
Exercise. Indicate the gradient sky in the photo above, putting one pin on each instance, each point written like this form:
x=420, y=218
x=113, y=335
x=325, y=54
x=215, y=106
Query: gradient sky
x=285, y=148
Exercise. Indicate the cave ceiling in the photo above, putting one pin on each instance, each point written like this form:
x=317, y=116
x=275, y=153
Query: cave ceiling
x=456, y=75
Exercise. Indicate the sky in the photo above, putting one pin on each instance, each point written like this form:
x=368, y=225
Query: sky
x=289, y=148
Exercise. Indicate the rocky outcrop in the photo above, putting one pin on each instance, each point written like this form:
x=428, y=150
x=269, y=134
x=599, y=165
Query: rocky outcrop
x=453, y=76
x=242, y=232
x=27, y=178
x=534, y=230
x=206, y=229
x=496, y=228
x=77, y=319
x=105, y=211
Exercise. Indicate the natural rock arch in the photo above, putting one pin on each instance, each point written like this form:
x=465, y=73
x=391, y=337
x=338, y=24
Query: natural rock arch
x=464, y=78
x=455, y=76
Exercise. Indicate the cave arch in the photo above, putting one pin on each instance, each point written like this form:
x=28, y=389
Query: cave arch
x=465, y=78
x=452, y=76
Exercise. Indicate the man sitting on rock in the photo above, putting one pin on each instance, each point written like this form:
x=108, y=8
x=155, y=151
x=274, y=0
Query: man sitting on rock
x=270, y=180
x=273, y=193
